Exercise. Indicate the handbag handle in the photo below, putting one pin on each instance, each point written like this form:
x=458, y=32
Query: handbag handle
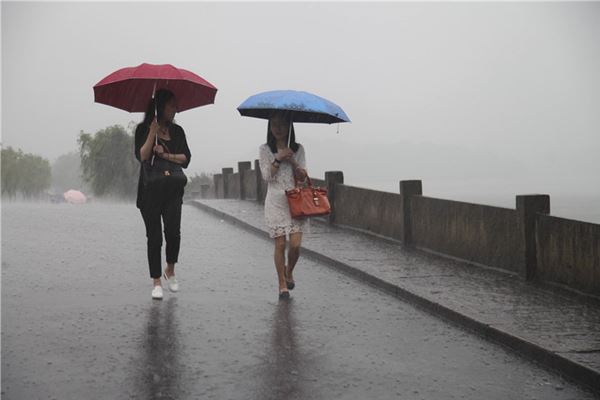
x=162, y=143
x=310, y=184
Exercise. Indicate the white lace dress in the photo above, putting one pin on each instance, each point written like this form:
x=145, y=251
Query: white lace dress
x=277, y=212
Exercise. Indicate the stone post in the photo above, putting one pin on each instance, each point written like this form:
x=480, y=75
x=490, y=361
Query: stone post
x=243, y=166
x=259, y=183
x=226, y=172
x=407, y=190
x=528, y=206
x=332, y=178
x=218, y=185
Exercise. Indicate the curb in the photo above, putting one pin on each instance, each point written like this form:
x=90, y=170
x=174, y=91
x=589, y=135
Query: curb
x=569, y=369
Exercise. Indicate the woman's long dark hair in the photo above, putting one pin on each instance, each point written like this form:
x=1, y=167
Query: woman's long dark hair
x=272, y=141
x=161, y=98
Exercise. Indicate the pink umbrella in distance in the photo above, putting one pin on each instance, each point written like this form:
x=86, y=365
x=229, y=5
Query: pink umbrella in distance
x=74, y=197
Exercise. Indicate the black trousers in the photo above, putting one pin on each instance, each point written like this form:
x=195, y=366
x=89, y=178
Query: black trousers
x=165, y=204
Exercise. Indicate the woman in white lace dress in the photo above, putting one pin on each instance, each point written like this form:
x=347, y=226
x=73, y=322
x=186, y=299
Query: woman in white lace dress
x=278, y=165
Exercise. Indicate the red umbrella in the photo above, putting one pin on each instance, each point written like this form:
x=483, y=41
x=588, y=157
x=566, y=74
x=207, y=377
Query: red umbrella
x=131, y=88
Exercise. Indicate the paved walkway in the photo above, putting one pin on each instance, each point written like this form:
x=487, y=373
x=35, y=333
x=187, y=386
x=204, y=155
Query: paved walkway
x=78, y=323
x=559, y=330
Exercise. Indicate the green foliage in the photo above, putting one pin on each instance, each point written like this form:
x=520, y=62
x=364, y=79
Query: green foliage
x=27, y=174
x=10, y=175
x=108, y=163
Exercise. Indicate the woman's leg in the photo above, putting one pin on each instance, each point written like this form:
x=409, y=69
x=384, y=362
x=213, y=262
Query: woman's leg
x=172, y=220
x=151, y=215
x=293, y=254
x=280, y=261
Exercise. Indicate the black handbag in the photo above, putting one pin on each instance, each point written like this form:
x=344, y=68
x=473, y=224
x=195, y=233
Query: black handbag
x=159, y=171
x=163, y=172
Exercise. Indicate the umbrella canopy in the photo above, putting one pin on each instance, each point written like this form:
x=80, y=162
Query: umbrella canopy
x=74, y=197
x=131, y=88
x=304, y=106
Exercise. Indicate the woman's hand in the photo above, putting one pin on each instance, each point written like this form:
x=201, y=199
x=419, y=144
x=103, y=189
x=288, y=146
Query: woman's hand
x=300, y=174
x=158, y=149
x=154, y=128
x=148, y=147
x=284, y=154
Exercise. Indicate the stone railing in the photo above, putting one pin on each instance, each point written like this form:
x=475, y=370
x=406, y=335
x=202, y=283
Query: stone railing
x=526, y=240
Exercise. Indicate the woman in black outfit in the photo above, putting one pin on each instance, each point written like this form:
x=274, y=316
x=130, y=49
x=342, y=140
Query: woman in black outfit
x=163, y=201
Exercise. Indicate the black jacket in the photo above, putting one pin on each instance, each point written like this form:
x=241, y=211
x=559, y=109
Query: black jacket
x=177, y=145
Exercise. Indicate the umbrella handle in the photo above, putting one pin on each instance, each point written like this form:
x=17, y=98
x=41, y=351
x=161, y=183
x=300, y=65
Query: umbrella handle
x=153, y=155
x=155, y=105
x=155, y=143
x=290, y=131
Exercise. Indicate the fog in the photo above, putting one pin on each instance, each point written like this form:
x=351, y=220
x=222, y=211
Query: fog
x=480, y=100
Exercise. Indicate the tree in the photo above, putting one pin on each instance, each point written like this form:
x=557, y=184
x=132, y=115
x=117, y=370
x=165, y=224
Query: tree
x=36, y=175
x=108, y=163
x=10, y=175
x=28, y=174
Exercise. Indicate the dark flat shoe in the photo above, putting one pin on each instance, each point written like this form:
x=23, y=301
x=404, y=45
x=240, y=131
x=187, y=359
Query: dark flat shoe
x=290, y=284
x=284, y=295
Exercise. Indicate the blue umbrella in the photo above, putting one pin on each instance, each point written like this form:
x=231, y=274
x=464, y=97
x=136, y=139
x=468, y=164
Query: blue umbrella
x=304, y=107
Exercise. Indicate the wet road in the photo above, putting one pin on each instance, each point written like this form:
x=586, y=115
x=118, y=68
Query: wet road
x=78, y=322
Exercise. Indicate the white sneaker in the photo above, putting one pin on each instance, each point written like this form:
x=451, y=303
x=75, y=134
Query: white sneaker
x=172, y=282
x=157, y=293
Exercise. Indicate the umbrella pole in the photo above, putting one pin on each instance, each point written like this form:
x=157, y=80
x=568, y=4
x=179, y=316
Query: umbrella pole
x=290, y=131
x=155, y=116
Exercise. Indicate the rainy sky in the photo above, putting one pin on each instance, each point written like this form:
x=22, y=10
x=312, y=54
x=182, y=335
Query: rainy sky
x=469, y=97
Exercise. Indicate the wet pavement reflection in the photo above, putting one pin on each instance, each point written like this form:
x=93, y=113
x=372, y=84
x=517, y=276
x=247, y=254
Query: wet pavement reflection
x=282, y=376
x=160, y=368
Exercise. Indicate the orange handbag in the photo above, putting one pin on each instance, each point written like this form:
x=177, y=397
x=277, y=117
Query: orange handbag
x=308, y=201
